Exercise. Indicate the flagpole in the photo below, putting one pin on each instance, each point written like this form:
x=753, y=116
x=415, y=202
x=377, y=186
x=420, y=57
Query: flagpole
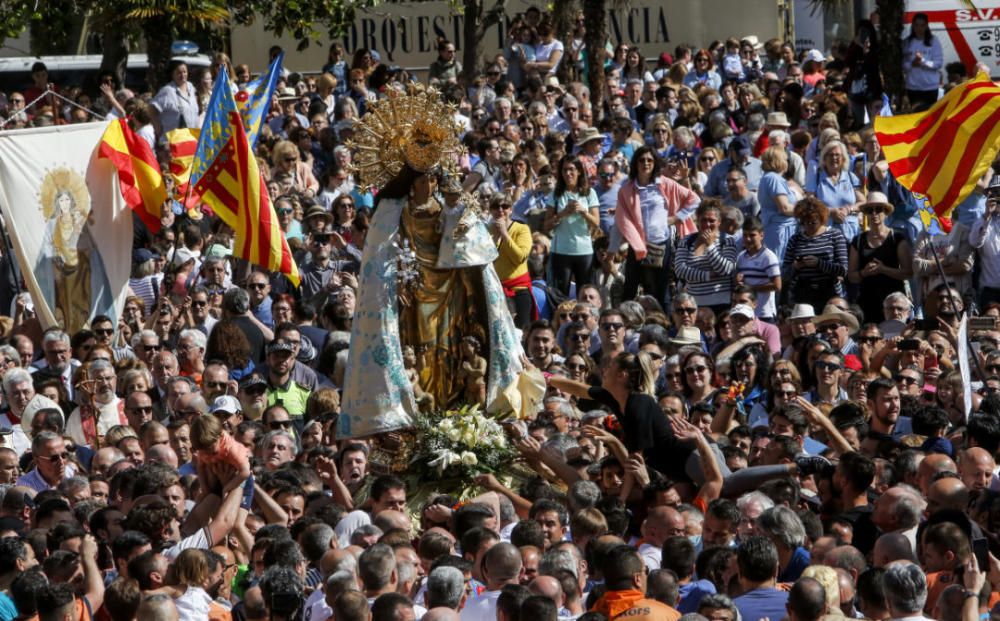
x=944, y=279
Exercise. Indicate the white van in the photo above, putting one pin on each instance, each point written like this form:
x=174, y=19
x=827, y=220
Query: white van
x=967, y=35
x=15, y=73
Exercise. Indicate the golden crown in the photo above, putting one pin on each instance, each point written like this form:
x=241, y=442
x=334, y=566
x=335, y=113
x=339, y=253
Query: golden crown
x=412, y=127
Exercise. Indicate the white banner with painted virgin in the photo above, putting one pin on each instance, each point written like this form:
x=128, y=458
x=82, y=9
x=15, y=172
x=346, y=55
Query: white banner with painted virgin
x=68, y=223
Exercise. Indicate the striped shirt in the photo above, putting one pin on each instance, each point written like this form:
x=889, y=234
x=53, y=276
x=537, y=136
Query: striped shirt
x=709, y=276
x=759, y=269
x=830, y=247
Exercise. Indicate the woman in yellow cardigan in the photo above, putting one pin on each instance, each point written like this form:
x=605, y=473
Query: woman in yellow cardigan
x=513, y=240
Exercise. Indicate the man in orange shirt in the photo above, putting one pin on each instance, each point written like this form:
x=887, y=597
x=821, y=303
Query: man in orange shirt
x=625, y=577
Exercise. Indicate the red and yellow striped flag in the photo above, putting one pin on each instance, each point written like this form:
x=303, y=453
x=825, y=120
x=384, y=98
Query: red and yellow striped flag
x=234, y=188
x=941, y=153
x=182, y=143
x=225, y=175
x=138, y=171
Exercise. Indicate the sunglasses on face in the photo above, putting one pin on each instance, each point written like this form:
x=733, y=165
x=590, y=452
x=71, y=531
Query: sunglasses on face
x=906, y=379
x=696, y=369
x=275, y=425
x=612, y=325
x=871, y=340
x=580, y=337
x=827, y=366
x=686, y=311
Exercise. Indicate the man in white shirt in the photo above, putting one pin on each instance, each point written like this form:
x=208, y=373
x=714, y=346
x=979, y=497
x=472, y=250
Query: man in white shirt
x=661, y=524
x=501, y=566
x=985, y=237
x=109, y=408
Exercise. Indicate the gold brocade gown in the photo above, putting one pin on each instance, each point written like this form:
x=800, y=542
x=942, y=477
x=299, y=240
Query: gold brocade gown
x=447, y=306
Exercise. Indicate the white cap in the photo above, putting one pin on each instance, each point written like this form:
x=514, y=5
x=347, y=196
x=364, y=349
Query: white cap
x=802, y=311
x=742, y=309
x=815, y=56
x=226, y=403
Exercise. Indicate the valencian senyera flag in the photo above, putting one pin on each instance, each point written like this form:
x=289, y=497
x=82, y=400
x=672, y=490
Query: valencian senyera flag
x=225, y=176
x=139, y=175
x=254, y=100
x=69, y=224
x=942, y=152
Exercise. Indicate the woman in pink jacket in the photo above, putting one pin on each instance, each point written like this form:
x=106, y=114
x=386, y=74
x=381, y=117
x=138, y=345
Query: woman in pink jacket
x=650, y=210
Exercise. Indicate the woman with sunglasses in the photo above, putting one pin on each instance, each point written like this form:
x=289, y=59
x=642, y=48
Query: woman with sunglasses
x=513, y=241
x=707, y=159
x=291, y=174
x=703, y=72
x=880, y=260
x=344, y=212
x=699, y=377
x=661, y=135
x=285, y=211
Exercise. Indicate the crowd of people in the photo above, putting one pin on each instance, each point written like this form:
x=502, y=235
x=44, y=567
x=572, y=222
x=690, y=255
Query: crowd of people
x=755, y=405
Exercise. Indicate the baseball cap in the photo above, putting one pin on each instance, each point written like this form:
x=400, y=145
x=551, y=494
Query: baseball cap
x=279, y=345
x=742, y=309
x=251, y=381
x=141, y=255
x=227, y=404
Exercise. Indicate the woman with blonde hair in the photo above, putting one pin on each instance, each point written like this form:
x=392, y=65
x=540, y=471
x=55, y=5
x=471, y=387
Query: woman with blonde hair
x=291, y=174
x=777, y=207
x=838, y=188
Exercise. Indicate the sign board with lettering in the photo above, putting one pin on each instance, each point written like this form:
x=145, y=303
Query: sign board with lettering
x=969, y=32
x=406, y=33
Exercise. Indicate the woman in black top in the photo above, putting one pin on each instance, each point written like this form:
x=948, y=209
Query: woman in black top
x=627, y=391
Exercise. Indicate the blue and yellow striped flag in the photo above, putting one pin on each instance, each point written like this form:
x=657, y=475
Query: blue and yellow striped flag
x=254, y=100
x=226, y=177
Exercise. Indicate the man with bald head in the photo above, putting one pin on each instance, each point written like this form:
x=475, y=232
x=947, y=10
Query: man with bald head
x=899, y=509
x=162, y=453
x=104, y=458
x=976, y=466
x=388, y=519
x=530, y=556
x=138, y=409
x=847, y=593
x=848, y=558
x=892, y=547
x=501, y=566
x=548, y=586
x=190, y=406
x=947, y=493
x=661, y=523
x=930, y=466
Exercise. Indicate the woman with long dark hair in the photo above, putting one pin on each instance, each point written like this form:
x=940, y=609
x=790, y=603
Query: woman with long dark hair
x=922, y=62
x=649, y=210
x=572, y=212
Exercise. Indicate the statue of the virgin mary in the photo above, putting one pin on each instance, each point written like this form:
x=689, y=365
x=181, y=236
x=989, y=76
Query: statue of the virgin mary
x=427, y=278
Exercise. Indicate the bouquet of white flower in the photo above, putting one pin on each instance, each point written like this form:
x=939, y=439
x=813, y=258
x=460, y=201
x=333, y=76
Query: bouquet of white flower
x=460, y=443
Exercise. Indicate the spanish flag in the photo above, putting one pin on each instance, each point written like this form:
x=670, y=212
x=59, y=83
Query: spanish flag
x=941, y=153
x=182, y=144
x=225, y=175
x=138, y=171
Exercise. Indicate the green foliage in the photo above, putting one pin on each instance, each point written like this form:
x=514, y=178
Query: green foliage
x=308, y=21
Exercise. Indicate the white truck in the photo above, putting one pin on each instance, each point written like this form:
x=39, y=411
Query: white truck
x=969, y=32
